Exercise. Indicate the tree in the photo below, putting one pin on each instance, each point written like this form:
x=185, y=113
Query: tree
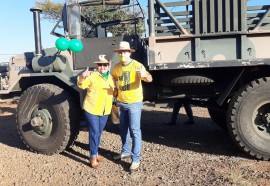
x=98, y=14
x=50, y=11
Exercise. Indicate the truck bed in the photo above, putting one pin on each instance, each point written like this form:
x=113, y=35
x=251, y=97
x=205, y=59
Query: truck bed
x=208, y=33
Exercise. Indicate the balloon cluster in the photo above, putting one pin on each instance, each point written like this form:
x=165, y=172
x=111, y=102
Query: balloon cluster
x=74, y=45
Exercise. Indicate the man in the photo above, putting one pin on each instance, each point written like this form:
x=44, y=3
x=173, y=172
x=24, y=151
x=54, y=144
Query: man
x=176, y=107
x=129, y=73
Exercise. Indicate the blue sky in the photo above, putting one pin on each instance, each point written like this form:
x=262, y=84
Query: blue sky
x=17, y=32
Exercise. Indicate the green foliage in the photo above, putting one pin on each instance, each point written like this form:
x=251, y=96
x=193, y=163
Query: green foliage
x=50, y=10
x=96, y=15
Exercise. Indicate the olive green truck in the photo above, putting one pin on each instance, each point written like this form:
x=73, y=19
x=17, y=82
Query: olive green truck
x=214, y=53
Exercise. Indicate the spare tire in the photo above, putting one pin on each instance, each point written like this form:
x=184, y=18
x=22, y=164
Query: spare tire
x=182, y=78
x=191, y=79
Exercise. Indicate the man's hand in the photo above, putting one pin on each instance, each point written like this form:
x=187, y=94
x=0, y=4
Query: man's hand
x=143, y=74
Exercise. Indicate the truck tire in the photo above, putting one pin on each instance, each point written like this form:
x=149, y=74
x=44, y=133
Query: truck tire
x=46, y=119
x=218, y=115
x=249, y=118
x=191, y=79
x=183, y=78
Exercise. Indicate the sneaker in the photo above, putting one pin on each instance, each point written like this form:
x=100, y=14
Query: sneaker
x=134, y=166
x=121, y=156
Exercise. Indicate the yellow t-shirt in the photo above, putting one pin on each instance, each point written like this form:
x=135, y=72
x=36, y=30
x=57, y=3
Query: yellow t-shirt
x=129, y=84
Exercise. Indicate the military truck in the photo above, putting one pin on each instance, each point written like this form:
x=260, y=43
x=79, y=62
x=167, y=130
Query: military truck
x=212, y=52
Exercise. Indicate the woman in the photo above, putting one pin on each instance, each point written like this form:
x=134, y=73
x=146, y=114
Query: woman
x=97, y=103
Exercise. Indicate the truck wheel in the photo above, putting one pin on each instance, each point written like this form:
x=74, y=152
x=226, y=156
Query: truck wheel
x=45, y=119
x=182, y=78
x=218, y=115
x=192, y=79
x=249, y=118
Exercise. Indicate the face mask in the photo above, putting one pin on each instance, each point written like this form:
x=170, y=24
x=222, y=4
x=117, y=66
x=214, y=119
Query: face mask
x=103, y=71
x=122, y=58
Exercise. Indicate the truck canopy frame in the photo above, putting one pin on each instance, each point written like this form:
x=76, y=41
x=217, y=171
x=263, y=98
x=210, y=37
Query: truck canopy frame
x=186, y=34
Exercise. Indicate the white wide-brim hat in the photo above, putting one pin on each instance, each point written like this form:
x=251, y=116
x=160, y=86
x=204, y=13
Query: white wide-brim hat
x=101, y=59
x=124, y=46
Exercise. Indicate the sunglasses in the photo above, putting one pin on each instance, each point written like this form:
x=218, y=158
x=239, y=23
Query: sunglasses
x=104, y=65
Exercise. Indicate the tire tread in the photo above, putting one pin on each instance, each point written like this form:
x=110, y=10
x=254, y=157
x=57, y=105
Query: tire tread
x=236, y=100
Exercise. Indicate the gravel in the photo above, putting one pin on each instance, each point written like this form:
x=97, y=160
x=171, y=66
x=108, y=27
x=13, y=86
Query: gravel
x=200, y=154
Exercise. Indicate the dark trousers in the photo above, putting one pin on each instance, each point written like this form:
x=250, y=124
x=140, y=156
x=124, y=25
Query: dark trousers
x=176, y=108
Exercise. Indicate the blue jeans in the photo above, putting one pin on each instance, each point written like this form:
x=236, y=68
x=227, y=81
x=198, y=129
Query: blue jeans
x=96, y=125
x=130, y=125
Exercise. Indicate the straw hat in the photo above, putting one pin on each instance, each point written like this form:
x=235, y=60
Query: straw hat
x=101, y=59
x=124, y=46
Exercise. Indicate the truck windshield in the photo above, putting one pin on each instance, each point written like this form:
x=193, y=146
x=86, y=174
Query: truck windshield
x=99, y=21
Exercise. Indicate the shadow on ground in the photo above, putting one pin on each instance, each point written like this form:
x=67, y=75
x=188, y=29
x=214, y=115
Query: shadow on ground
x=8, y=129
x=203, y=136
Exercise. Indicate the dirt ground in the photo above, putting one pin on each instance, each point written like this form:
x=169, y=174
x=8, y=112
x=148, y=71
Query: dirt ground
x=200, y=154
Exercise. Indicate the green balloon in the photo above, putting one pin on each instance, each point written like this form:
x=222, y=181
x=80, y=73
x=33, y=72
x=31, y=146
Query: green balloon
x=75, y=45
x=62, y=44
